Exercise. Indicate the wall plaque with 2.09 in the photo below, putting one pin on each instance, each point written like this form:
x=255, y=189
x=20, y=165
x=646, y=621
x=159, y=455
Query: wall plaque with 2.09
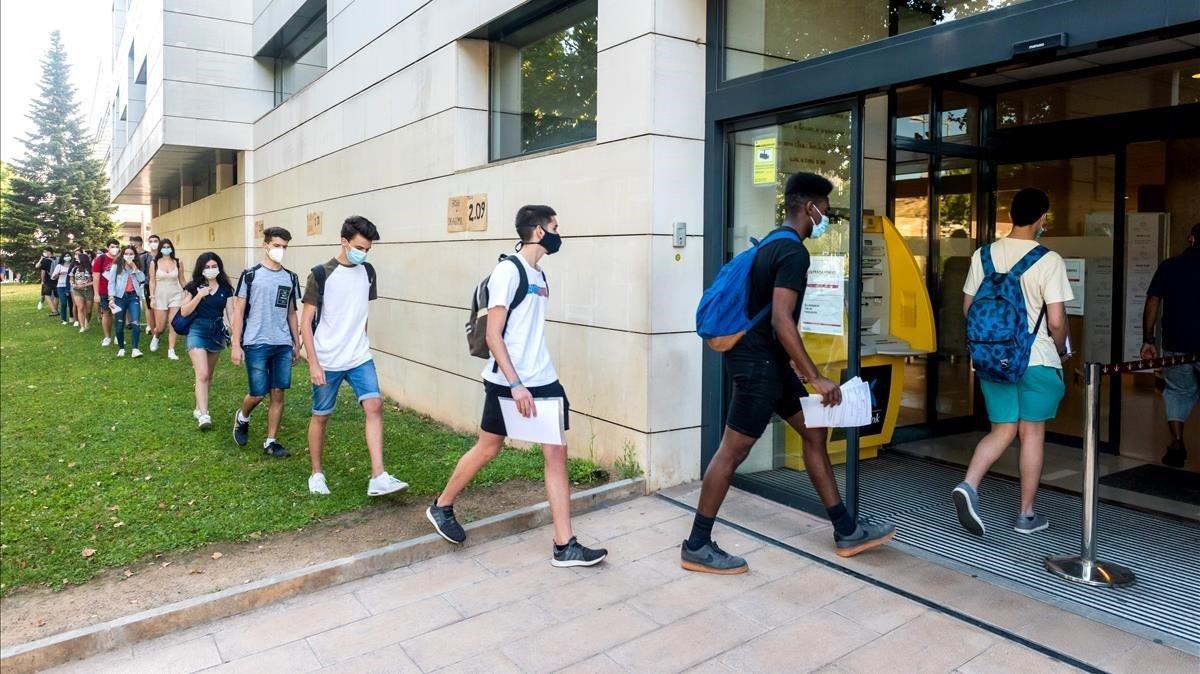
x=467, y=213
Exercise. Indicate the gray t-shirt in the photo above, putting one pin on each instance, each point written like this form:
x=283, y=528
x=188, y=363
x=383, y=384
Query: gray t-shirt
x=273, y=295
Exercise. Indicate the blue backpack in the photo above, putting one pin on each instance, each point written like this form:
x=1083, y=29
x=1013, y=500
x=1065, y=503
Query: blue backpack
x=998, y=335
x=723, y=315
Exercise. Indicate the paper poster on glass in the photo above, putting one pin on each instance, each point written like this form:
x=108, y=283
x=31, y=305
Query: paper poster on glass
x=1076, y=277
x=823, y=312
x=764, y=161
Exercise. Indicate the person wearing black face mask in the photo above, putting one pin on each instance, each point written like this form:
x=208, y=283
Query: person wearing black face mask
x=520, y=370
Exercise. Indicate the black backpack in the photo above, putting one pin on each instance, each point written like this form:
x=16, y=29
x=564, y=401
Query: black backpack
x=248, y=280
x=318, y=274
x=476, y=327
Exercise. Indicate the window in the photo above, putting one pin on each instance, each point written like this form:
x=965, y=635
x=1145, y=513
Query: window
x=299, y=51
x=765, y=34
x=543, y=83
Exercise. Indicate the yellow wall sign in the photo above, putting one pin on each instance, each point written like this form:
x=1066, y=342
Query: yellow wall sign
x=467, y=213
x=764, y=161
x=313, y=223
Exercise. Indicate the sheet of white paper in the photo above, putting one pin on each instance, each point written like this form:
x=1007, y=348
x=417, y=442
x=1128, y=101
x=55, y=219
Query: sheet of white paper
x=546, y=427
x=855, y=409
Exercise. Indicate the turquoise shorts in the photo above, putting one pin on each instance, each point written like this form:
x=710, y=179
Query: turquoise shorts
x=1034, y=398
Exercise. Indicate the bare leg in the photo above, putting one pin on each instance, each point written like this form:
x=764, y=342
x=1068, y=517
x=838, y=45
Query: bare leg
x=558, y=491
x=1033, y=443
x=816, y=460
x=171, y=333
x=373, y=409
x=106, y=322
x=199, y=358
x=1176, y=429
x=989, y=449
x=316, y=439
x=248, y=405
x=275, y=413
x=486, y=448
x=734, y=449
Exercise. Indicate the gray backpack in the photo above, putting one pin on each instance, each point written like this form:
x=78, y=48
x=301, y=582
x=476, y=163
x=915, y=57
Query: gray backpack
x=476, y=327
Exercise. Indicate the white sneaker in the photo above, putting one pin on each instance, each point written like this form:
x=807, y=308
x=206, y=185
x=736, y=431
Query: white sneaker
x=171, y=355
x=316, y=484
x=154, y=344
x=64, y=322
x=204, y=422
x=196, y=414
x=83, y=329
x=76, y=324
x=147, y=329
x=120, y=353
x=384, y=484
x=136, y=353
x=39, y=306
x=106, y=341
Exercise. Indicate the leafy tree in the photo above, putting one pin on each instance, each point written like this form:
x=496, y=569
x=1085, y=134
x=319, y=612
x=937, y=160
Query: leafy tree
x=558, y=88
x=57, y=193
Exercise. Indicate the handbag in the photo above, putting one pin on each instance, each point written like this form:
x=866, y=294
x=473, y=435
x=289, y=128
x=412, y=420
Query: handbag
x=181, y=324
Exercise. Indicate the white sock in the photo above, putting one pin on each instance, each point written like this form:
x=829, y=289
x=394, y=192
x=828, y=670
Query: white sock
x=241, y=418
x=267, y=442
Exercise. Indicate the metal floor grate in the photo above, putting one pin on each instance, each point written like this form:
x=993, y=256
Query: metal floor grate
x=915, y=495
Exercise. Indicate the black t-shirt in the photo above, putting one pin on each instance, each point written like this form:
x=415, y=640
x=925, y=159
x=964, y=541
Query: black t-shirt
x=780, y=263
x=46, y=264
x=1176, y=281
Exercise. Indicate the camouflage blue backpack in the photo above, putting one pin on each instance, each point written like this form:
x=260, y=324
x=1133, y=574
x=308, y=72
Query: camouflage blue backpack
x=998, y=335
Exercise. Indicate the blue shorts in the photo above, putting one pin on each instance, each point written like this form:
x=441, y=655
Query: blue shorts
x=1034, y=398
x=206, y=334
x=268, y=366
x=362, y=379
x=1183, y=388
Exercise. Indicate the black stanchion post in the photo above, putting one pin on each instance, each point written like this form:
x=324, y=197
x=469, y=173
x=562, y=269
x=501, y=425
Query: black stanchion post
x=1085, y=568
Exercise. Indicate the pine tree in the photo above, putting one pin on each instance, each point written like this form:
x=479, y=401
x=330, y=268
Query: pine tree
x=57, y=195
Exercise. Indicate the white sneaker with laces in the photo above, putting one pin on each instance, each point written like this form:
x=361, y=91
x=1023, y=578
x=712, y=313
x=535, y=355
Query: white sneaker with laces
x=385, y=484
x=147, y=329
x=171, y=355
x=106, y=341
x=154, y=344
x=136, y=353
x=76, y=324
x=120, y=353
x=64, y=322
x=204, y=422
x=316, y=484
x=83, y=329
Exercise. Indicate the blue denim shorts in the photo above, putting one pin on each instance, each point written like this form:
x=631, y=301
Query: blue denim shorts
x=1183, y=388
x=362, y=379
x=204, y=335
x=268, y=366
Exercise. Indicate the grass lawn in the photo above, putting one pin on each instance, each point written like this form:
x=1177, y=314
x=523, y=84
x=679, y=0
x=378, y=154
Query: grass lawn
x=103, y=454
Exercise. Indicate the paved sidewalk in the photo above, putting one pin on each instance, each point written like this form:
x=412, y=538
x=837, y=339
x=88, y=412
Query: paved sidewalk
x=501, y=607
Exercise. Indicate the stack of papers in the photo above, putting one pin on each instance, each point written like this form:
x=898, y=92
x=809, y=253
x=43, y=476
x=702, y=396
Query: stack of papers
x=855, y=409
x=545, y=428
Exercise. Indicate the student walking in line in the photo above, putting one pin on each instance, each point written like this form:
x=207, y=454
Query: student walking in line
x=45, y=269
x=125, y=278
x=205, y=303
x=147, y=258
x=81, y=289
x=765, y=366
x=1015, y=298
x=166, y=291
x=62, y=287
x=100, y=266
x=1175, y=291
x=334, y=326
x=520, y=370
x=266, y=337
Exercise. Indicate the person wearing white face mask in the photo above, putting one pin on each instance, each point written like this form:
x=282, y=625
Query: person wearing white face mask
x=166, y=293
x=266, y=337
x=204, y=307
x=100, y=268
x=125, y=279
x=146, y=258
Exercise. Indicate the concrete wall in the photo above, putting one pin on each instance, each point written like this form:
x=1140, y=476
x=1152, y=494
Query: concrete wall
x=399, y=124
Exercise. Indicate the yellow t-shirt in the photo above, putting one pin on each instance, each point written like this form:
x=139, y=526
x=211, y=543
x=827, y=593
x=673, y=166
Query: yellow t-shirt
x=1044, y=283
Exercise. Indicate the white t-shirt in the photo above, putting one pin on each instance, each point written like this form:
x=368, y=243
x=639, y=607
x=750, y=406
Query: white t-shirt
x=525, y=337
x=1044, y=283
x=341, y=336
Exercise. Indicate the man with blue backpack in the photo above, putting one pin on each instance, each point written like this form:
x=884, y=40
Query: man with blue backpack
x=1015, y=297
x=751, y=313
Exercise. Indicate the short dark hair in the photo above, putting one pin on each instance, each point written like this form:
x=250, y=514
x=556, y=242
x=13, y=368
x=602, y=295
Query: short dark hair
x=1028, y=205
x=135, y=239
x=532, y=216
x=153, y=236
x=279, y=232
x=47, y=249
x=357, y=224
x=803, y=187
x=112, y=242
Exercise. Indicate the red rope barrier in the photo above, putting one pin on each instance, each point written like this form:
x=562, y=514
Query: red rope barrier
x=1150, y=364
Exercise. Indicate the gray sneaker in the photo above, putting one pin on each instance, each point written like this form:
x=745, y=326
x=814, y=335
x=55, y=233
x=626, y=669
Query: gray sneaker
x=966, y=504
x=865, y=537
x=1029, y=524
x=711, y=559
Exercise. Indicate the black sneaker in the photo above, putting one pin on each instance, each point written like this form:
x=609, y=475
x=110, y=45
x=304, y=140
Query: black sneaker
x=276, y=450
x=1175, y=457
x=443, y=521
x=241, y=430
x=575, y=554
x=711, y=559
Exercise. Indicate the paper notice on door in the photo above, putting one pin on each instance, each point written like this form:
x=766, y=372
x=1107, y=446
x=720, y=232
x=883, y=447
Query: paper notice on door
x=1076, y=277
x=545, y=428
x=824, y=307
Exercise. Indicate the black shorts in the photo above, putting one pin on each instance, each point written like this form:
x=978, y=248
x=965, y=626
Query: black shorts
x=761, y=387
x=49, y=289
x=493, y=418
